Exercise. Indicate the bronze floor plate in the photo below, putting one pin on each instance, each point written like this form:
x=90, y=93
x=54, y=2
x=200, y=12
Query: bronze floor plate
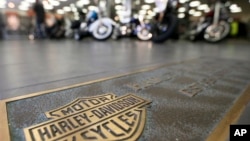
x=188, y=101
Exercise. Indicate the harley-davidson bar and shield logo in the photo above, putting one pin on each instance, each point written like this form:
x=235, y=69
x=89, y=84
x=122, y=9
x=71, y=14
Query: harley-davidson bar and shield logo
x=102, y=118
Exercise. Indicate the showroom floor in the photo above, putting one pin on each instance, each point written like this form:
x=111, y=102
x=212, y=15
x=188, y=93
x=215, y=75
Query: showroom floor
x=28, y=67
x=31, y=66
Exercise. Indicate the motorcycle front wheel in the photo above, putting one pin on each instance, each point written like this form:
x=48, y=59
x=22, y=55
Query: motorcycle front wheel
x=216, y=33
x=144, y=34
x=103, y=31
x=165, y=29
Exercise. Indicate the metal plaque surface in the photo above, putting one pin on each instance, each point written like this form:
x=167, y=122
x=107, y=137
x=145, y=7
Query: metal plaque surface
x=189, y=99
x=103, y=117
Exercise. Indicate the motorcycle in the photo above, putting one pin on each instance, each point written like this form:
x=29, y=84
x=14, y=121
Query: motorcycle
x=167, y=28
x=101, y=28
x=214, y=27
x=134, y=27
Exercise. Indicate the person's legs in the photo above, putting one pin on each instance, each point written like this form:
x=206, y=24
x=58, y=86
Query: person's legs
x=40, y=30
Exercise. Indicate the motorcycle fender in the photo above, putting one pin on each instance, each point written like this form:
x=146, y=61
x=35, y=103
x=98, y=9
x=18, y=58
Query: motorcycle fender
x=104, y=20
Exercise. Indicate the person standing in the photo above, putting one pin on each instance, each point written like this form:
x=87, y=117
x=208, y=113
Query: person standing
x=40, y=19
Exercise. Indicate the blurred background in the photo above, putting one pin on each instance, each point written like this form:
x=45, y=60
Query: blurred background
x=17, y=17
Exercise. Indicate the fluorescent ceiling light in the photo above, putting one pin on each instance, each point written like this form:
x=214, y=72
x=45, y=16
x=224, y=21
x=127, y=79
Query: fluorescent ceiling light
x=2, y=6
x=183, y=1
x=203, y=7
x=151, y=13
x=23, y=8
x=25, y=4
x=135, y=16
x=236, y=10
x=234, y=6
x=74, y=9
x=146, y=7
x=2, y=2
x=72, y=5
x=142, y=12
x=79, y=4
x=182, y=9
x=207, y=10
x=85, y=2
x=156, y=10
x=197, y=14
x=84, y=10
x=191, y=11
x=67, y=8
x=118, y=1
x=194, y=3
x=118, y=7
x=91, y=7
x=54, y=3
x=30, y=1
x=148, y=17
x=149, y=1
x=11, y=5
x=48, y=7
x=59, y=11
x=181, y=15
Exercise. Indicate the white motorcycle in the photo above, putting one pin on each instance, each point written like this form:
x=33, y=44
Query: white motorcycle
x=101, y=28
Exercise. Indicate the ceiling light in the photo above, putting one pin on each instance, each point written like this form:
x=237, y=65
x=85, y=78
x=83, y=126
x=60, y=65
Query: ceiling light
x=203, y=7
x=236, y=10
x=85, y=2
x=67, y=8
x=156, y=10
x=25, y=4
x=118, y=7
x=30, y=1
x=207, y=10
x=119, y=12
x=194, y=3
x=181, y=15
x=91, y=7
x=118, y=1
x=81, y=3
x=11, y=5
x=59, y=11
x=23, y=8
x=76, y=17
x=149, y=17
x=233, y=6
x=72, y=5
x=142, y=12
x=135, y=16
x=197, y=14
x=183, y=1
x=2, y=2
x=191, y=11
x=146, y=7
x=182, y=9
x=137, y=2
x=84, y=10
x=149, y=1
x=74, y=9
x=151, y=13
x=54, y=3
x=48, y=7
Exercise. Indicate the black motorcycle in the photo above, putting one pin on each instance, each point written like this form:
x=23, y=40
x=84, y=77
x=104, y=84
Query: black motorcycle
x=167, y=28
x=214, y=27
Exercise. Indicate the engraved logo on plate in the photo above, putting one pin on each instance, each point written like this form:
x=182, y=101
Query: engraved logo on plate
x=104, y=117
